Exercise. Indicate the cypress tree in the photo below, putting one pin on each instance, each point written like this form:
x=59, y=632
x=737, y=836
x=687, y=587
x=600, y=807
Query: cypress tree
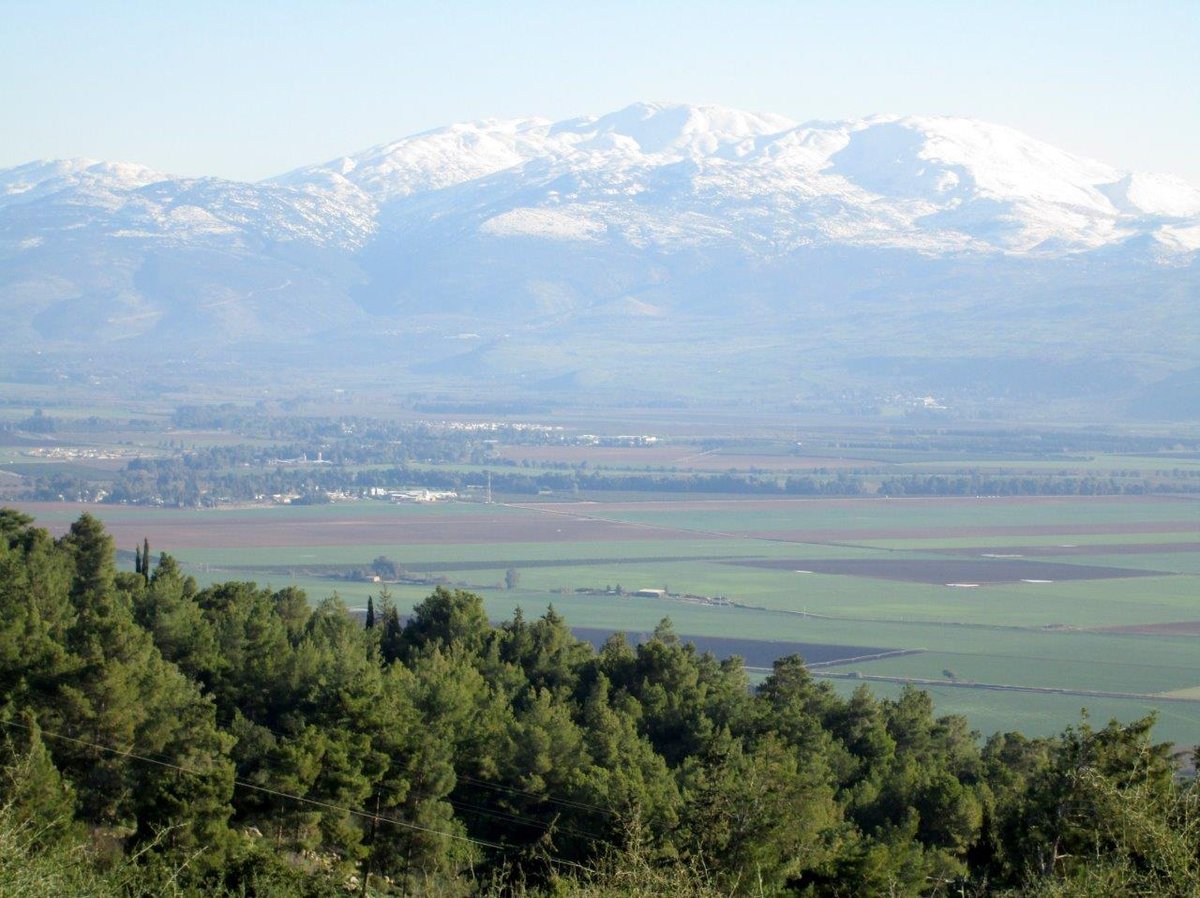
x=137, y=560
x=370, y=612
x=146, y=558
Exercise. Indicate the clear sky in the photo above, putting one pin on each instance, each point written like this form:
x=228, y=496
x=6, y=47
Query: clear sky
x=254, y=88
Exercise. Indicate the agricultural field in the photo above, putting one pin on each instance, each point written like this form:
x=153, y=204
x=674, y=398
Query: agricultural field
x=684, y=457
x=1016, y=611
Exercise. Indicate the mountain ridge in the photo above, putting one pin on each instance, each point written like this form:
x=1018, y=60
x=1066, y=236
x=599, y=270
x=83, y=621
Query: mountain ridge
x=914, y=161
x=599, y=231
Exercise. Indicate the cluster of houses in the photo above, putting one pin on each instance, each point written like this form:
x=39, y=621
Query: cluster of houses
x=494, y=426
x=621, y=440
x=654, y=593
x=417, y=495
x=62, y=453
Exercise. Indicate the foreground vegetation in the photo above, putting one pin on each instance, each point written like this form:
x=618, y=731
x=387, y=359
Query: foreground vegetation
x=159, y=738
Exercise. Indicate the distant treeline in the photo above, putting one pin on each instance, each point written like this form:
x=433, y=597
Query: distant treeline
x=1046, y=485
x=190, y=481
x=310, y=457
x=1015, y=442
x=173, y=483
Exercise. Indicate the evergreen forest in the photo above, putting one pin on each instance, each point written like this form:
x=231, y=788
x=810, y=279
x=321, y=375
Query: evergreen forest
x=162, y=739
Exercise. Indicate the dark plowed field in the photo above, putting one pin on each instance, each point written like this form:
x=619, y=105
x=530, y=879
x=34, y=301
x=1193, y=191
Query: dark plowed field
x=949, y=571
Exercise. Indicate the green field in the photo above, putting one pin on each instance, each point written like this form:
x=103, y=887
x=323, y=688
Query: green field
x=917, y=514
x=1020, y=634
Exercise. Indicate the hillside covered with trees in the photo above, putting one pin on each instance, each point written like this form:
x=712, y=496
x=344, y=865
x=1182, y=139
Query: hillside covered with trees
x=157, y=738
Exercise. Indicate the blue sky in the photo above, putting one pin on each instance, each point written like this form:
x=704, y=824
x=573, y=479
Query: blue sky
x=251, y=89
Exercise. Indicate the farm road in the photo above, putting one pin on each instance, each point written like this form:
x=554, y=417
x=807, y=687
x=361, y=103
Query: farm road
x=1006, y=687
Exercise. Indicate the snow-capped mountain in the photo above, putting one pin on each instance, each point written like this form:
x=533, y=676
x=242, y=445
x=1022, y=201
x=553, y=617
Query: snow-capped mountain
x=670, y=174
x=126, y=200
x=661, y=212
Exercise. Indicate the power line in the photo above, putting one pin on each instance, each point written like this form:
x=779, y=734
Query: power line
x=379, y=818
x=487, y=784
x=565, y=802
x=257, y=788
x=511, y=816
x=459, y=804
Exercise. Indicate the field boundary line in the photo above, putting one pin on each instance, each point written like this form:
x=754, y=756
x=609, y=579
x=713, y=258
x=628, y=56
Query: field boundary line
x=1007, y=687
x=813, y=665
x=897, y=653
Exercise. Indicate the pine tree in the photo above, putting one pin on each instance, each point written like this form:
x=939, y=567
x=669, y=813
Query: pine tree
x=92, y=549
x=391, y=641
x=34, y=791
x=448, y=618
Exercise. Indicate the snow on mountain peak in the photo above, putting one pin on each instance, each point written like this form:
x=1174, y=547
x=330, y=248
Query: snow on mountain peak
x=1155, y=194
x=1006, y=163
x=445, y=157
x=673, y=175
x=931, y=183
x=675, y=128
x=434, y=159
x=692, y=216
x=35, y=180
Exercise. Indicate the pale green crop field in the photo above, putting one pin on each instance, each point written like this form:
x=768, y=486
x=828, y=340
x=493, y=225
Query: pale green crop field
x=918, y=514
x=1096, y=464
x=1151, y=675
x=1037, y=714
x=1035, y=634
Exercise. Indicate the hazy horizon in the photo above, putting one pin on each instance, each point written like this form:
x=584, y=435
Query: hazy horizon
x=248, y=92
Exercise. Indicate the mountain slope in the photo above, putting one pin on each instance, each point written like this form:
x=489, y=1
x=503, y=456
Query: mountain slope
x=563, y=243
x=933, y=184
